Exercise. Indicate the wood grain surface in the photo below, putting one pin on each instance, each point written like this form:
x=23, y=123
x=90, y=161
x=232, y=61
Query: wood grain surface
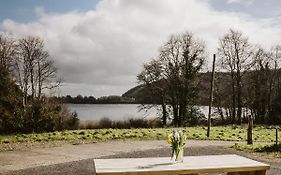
x=190, y=165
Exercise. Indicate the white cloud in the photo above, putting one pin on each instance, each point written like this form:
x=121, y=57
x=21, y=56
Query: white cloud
x=106, y=47
x=233, y=1
x=246, y=2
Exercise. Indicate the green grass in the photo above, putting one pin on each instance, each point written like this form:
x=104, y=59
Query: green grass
x=270, y=150
x=226, y=133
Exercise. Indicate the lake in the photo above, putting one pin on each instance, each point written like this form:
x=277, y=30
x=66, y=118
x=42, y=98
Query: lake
x=115, y=111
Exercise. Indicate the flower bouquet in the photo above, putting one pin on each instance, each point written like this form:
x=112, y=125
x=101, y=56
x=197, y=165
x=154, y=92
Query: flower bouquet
x=177, y=141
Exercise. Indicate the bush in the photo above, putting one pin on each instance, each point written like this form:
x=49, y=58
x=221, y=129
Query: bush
x=121, y=124
x=88, y=124
x=10, y=104
x=39, y=115
x=138, y=123
x=105, y=123
x=194, y=117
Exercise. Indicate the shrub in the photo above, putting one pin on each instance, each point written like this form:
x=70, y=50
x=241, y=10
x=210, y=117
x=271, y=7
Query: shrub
x=121, y=124
x=105, y=123
x=88, y=124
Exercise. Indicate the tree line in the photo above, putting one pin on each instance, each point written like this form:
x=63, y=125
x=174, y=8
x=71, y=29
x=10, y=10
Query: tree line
x=247, y=80
x=252, y=87
x=26, y=71
x=112, y=99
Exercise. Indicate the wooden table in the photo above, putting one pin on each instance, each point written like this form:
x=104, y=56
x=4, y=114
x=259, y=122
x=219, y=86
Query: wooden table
x=232, y=164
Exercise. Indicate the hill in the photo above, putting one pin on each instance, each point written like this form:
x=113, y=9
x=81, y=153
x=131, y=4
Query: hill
x=133, y=92
x=204, y=82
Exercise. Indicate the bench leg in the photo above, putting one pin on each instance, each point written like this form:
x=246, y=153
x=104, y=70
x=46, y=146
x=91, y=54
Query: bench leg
x=248, y=173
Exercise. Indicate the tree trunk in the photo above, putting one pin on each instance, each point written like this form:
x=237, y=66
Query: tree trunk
x=164, y=111
x=219, y=108
x=175, y=113
x=25, y=84
x=39, y=81
x=239, y=99
x=250, y=130
x=180, y=114
x=233, y=112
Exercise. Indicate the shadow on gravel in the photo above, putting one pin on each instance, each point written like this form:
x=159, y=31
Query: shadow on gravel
x=82, y=167
x=270, y=148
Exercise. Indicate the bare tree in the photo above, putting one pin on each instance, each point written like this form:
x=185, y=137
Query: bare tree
x=169, y=57
x=155, y=87
x=31, y=71
x=263, y=88
x=36, y=71
x=176, y=68
x=8, y=52
x=46, y=75
x=236, y=57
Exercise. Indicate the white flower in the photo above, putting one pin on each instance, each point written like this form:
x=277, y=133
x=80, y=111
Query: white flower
x=176, y=135
x=180, y=133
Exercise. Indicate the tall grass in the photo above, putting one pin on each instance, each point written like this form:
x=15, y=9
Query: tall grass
x=120, y=124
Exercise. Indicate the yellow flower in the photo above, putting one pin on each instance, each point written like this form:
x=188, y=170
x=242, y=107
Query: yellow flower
x=169, y=138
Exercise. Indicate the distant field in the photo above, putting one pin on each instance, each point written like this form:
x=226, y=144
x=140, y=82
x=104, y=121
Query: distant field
x=227, y=133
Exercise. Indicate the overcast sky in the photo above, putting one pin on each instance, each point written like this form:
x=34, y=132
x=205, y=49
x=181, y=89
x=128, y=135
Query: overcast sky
x=100, y=46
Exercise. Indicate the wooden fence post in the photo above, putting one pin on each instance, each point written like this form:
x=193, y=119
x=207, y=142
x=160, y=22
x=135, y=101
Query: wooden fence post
x=211, y=96
x=250, y=130
x=276, y=134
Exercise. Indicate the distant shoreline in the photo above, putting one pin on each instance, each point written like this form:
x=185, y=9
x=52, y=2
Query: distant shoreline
x=104, y=103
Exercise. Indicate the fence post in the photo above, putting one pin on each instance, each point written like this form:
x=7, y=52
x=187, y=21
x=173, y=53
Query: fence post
x=211, y=96
x=250, y=130
x=276, y=134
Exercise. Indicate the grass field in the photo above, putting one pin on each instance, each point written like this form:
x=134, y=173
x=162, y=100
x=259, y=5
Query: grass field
x=267, y=149
x=226, y=133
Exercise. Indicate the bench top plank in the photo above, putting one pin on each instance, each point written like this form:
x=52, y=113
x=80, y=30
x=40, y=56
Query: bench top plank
x=191, y=165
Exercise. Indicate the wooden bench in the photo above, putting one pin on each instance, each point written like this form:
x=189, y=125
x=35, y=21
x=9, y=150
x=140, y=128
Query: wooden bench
x=192, y=165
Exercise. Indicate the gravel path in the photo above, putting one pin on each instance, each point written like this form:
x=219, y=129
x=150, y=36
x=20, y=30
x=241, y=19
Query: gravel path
x=77, y=159
x=22, y=159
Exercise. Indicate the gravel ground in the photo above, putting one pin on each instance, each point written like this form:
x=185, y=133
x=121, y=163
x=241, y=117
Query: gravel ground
x=84, y=167
x=37, y=156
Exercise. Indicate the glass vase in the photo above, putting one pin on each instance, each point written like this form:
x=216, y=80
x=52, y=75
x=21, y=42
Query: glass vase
x=178, y=156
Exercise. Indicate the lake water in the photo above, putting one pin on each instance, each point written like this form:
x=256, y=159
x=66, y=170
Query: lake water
x=115, y=111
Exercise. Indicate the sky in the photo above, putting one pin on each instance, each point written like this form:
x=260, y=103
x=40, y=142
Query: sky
x=99, y=46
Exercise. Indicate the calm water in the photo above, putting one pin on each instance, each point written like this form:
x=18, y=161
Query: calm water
x=115, y=111
x=112, y=111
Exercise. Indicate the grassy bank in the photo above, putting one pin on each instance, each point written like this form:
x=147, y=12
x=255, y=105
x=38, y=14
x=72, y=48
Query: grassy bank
x=265, y=149
x=226, y=133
